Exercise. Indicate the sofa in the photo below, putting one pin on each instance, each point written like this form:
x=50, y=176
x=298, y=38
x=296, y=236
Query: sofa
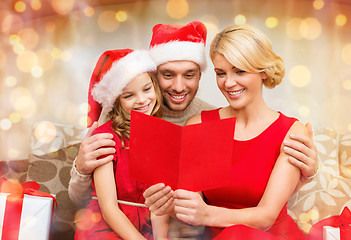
x=54, y=147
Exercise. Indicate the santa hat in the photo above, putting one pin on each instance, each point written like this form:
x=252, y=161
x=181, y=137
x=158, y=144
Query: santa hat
x=174, y=42
x=113, y=71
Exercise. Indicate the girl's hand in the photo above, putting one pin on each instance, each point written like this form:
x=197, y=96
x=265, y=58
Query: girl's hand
x=190, y=208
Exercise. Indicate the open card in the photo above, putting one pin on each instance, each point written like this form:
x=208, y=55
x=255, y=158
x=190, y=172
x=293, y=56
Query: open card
x=195, y=157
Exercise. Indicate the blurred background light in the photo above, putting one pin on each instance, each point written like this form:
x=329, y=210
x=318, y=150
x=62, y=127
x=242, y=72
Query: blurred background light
x=299, y=76
x=341, y=19
x=177, y=9
x=271, y=22
x=121, y=16
x=310, y=28
x=239, y=19
x=107, y=21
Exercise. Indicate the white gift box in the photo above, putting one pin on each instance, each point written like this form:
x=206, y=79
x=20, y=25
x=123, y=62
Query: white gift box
x=331, y=233
x=35, y=217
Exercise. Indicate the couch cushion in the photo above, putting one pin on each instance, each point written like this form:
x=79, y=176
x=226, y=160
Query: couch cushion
x=14, y=169
x=328, y=192
x=54, y=147
x=345, y=154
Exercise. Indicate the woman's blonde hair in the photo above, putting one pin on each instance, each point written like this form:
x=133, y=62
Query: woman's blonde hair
x=121, y=119
x=248, y=49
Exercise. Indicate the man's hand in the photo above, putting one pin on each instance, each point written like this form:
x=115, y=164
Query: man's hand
x=93, y=147
x=303, y=153
x=159, y=199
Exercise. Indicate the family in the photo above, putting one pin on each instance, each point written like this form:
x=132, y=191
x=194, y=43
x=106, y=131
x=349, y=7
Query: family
x=275, y=154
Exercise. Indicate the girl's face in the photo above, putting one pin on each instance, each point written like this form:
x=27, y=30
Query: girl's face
x=240, y=88
x=139, y=95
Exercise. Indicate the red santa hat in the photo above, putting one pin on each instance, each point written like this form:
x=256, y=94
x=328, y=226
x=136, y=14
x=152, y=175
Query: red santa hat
x=113, y=71
x=174, y=42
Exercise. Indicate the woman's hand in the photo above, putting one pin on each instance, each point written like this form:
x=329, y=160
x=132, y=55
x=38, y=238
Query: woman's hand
x=190, y=208
x=159, y=199
x=303, y=153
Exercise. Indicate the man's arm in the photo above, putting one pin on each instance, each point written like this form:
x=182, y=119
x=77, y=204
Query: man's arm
x=91, y=148
x=303, y=154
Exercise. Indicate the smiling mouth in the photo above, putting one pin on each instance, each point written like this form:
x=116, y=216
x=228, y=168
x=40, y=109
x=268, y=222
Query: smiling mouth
x=143, y=108
x=177, y=98
x=236, y=93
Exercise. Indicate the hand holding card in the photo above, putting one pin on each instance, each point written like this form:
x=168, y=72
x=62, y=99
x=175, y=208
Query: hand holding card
x=195, y=157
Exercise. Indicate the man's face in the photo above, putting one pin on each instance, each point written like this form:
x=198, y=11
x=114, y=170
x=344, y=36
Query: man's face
x=179, y=82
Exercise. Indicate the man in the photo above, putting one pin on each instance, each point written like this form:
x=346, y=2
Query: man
x=179, y=53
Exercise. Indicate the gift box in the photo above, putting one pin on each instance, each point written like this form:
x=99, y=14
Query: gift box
x=334, y=227
x=331, y=233
x=25, y=212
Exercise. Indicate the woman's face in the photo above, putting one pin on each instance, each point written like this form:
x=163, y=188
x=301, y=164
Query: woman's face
x=139, y=95
x=240, y=88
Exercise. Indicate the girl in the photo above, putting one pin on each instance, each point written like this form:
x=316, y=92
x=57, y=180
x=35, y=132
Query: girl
x=122, y=81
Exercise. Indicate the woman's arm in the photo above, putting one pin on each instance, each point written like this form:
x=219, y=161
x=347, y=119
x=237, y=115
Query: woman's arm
x=160, y=226
x=190, y=208
x=107, y=196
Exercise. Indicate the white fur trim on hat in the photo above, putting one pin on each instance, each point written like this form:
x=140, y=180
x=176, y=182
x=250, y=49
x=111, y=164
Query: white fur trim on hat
x=120, y=74
x=179, y=51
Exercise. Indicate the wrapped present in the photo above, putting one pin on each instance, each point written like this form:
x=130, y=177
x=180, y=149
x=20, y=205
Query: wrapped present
x=25, y=212
x=331, y=233
x=338, y=226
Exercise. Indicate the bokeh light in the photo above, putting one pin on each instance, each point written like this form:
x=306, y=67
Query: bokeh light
x=304, y=111
x=11, y=24
x=107, y=21
x=62, y=7
x=89, y=11
x=35, y=4
x=318, y=4
x=299, y=76
x=346, y=54
x=341, y=20
x=10, y=81
x=29, y=38
x=240, y=19
x=19, y=6
x=177, y=9
x=15, y=117
x=13, y=153
x=5, y=124
x=45, y=132
x=83, y=108
x=346, y=84
x=45, y=59
x=311, y=28
x=23, y=102
x=121, y=16
x=27, y=61
x=293, y=28
x=271, y=22
x=37, y=72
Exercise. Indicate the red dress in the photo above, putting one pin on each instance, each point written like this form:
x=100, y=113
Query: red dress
x=93, y=225
x=255, y=159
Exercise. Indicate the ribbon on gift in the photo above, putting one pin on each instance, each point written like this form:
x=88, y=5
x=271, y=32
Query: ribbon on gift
x=14, y=202
x=342, y=221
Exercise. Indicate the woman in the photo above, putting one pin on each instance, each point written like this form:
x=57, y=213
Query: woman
x=254, y=205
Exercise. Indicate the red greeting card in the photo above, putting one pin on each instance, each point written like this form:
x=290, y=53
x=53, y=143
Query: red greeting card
x=195, y=157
